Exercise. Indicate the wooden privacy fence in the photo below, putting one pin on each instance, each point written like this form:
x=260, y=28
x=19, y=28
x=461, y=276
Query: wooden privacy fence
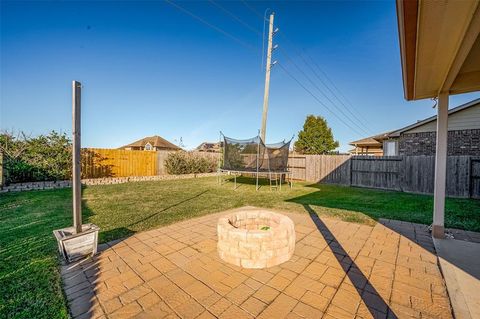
x=316, y=168
x=413, y=174
x=98, y=162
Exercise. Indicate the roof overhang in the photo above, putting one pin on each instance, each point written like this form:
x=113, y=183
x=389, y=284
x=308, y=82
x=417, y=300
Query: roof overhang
x=366, y=142
x=375, y=140
x=440, y=46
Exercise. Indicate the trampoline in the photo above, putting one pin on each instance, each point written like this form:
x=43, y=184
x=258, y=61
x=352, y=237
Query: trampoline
x=254, y=157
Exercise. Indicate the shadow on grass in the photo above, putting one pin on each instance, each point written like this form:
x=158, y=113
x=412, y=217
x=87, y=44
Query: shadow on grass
x=30, y=285
x=128, y=230
x=167, y=208
x=377, y=204
x=250, y=180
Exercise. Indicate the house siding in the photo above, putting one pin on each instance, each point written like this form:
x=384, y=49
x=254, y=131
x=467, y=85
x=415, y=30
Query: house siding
x=460, y=142
x=466, y=119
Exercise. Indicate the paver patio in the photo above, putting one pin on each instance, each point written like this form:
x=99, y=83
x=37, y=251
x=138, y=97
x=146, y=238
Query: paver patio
x=339, y=270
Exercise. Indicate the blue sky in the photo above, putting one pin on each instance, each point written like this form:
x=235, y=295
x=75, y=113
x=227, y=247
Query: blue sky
x=148, y=68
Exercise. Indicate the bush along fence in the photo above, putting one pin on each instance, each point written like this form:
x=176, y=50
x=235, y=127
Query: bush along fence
x=414, y=174
x=112, y=166
x=44, y=157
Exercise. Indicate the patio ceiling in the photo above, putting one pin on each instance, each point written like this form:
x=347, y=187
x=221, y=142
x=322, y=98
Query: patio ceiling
x=440, y=47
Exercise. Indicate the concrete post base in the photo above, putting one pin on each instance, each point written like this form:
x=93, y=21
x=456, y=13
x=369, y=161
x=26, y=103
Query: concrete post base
x=438, y=231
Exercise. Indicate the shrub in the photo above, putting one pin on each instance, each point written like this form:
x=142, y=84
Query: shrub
x=189, y=163
x=41, y=158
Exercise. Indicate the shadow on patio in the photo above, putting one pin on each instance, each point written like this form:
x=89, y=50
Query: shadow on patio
x=370, y=296
x=85, y=280
x=338, y=269
x=392, y=211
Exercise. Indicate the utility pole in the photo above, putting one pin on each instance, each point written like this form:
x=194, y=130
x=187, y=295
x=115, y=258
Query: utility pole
x=267, y=77
x=76, y=183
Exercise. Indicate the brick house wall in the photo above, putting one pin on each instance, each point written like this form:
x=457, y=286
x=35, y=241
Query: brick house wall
x=461, y=142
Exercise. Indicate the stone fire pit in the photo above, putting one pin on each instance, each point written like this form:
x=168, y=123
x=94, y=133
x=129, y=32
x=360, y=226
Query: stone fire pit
x=255, y=238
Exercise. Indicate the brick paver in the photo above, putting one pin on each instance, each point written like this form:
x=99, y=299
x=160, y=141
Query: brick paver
x=338, y=270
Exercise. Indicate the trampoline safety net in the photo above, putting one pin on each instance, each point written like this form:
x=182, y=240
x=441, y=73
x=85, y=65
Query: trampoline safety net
x=252, y=155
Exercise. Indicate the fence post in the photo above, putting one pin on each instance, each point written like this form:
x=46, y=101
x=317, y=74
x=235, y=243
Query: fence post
x=2, y=179
x=469, y=178
x=402, y=173
x=351, y=165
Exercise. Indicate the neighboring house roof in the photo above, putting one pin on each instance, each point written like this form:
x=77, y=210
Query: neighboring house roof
x=434, y=118
x=375, y=140
x=366, y=141
x=155, y=141
x=208, y=146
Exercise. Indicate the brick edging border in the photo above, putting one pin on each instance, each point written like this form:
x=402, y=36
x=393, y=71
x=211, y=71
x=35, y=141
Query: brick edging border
x=19, y=187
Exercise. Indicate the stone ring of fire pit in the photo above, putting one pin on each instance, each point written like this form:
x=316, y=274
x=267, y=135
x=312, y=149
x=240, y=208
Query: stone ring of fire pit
x=255, y=238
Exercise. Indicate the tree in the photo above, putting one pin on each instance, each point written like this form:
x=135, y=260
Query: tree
x=316, y=137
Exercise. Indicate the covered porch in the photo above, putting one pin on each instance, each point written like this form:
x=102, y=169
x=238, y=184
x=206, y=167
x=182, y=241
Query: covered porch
x=440, y=53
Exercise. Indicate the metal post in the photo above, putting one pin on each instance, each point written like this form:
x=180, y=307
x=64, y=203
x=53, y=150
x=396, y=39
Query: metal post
x=267, y=78
x=219, y=159
x=258, y=154
x=438, y=230
x=76, y=157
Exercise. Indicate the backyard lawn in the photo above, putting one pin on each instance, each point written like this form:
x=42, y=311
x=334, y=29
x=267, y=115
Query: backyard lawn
x=30, y=284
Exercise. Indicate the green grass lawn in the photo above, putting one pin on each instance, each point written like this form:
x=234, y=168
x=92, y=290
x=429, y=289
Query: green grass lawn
x=29, y=279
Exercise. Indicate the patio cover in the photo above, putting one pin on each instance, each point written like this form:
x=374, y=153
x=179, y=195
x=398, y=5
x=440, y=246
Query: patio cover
x=440, y=47
x=440, y=54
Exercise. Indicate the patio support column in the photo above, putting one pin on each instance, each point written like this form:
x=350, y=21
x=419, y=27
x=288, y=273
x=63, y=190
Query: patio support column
x=438, y=230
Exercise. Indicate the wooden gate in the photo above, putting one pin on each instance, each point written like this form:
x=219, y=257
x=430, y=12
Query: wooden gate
x=475, y=177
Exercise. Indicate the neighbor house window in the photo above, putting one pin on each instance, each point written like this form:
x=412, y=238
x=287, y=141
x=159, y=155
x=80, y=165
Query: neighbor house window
x=148, y=147
x=390, y=148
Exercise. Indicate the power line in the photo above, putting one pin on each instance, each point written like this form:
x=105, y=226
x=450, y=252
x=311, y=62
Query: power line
x=335, y=87
x=253, y=10
x=225, y=33
x=316, y=98
x=363, y=121
x=249, y=27
x=246, y=25
x=335, y=95
x=320, y=90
